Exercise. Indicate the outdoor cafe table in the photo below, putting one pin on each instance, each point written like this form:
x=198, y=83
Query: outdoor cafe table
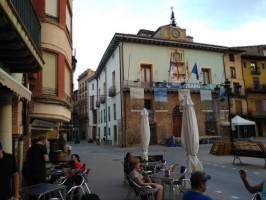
x=149, y=165
x=43, y=189
x=166, y=179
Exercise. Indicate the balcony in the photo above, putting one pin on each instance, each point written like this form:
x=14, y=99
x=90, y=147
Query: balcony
x=19, y=36
x=257, y=114
x=255, y=71
x=67, y=98
x=98, y=104
x=256, y=89
x=112, y=91
x=102, y=99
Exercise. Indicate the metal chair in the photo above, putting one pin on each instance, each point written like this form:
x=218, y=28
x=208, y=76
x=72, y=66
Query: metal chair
x=142, y=192
x=185, y=185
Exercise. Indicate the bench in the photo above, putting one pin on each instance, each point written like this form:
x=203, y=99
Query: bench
x=237, y=153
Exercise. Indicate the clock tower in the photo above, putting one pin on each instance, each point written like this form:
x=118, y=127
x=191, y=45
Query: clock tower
x=172, y=31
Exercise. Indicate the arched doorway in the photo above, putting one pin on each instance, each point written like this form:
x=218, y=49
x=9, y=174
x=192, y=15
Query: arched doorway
x=177, y=121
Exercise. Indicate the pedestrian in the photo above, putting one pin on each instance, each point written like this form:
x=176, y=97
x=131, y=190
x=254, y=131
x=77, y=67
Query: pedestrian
x=198, y=181
x=8, y=172
x=36, y=157
x=68, y=150
x=261, y=187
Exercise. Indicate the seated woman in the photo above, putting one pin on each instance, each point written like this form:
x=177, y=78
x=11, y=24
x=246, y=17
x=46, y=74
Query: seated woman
x=261, y=187
x=76, y=165
x=157, y=189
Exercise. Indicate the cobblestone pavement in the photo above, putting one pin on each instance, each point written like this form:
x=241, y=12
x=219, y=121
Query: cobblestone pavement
x=105, y=161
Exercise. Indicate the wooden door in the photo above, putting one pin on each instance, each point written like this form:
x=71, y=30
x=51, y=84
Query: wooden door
x=177, y=125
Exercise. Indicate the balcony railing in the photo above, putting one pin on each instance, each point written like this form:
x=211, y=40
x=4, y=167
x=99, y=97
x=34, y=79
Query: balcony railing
x=29, y=18
x=255, y=70
x=261, y=88
x=67, y=98
x=257, y=114
x=102, y=98
x=98, y=103
x=112, y=91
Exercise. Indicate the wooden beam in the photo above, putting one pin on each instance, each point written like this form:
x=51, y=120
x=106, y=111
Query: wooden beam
x=11, y=45
x=16, y=60
x=15, y=53
x=7, y=35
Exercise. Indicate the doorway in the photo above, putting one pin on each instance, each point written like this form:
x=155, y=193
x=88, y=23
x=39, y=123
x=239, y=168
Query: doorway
x=177, y=121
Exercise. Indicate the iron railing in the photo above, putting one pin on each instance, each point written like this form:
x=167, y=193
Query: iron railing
x=112, y=91
x=67, y=98
x=28, y=16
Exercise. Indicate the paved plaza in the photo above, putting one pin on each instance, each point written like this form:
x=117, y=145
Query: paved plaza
x=106, y=175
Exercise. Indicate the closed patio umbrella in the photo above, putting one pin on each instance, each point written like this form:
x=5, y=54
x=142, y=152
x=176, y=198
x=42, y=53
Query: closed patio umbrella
x=190, y=136
x=144, y=134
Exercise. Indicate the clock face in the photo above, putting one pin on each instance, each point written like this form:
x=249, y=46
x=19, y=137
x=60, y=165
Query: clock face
x=175, y=33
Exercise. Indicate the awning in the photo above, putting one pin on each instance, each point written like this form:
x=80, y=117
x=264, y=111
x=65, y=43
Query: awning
x=48, y=133
x=14, y=85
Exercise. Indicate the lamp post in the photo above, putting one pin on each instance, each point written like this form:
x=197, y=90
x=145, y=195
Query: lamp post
x=226, y=85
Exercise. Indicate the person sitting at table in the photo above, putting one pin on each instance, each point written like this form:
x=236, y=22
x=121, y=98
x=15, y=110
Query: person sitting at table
x=127, y=164
x=157, y=189
x=76, y=165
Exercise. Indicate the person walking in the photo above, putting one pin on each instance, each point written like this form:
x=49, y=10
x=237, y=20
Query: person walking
x=8, y=171
x=37, y=156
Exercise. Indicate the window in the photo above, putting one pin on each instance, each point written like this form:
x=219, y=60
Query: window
x=115, y=133
x=51, y=9
x=238, y=107
x=109, y=117
x=92, y=86
x=68, y=20
x=50, y=73
x=262, y=66
x=253, y=66
x=109, y=131
x=231, y=57
x=206, y=76
x=104, y=88
x=236, y=88
x=92, y=102
x=258, y=104
x=113, y=78
x=101, y=116
x=244, y=64
x=147, y=103
x=233, y=72
x=99, y=132
x=104, y=113
x=67, y=81
x=256, y=82
x=145, y=73
x=114, y=108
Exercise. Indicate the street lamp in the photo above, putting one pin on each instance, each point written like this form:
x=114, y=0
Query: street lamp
x=228, y=90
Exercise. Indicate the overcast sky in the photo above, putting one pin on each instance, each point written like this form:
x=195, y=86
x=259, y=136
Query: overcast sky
x=217, y=22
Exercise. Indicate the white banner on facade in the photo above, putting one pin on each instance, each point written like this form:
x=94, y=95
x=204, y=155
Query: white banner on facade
x=182, y=93
x=136, y=93
x=205, y=95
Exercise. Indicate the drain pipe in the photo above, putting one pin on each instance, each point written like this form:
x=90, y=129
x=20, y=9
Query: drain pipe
x=20, y=156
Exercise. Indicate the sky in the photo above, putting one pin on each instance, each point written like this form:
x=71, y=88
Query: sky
x=217, y=22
